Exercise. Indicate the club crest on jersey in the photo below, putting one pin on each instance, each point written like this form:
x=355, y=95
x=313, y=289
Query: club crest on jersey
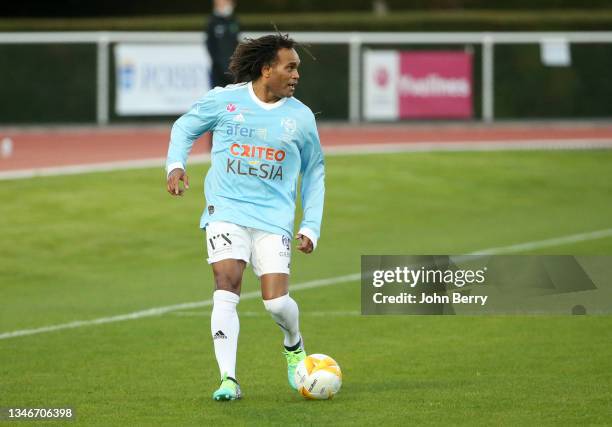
x=230, y=107
x=286, y=242
x=289, y=125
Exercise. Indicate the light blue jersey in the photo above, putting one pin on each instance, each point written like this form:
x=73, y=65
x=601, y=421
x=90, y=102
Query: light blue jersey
x=259, y=151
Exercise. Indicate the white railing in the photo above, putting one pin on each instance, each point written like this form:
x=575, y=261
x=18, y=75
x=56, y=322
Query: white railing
x=354, y=41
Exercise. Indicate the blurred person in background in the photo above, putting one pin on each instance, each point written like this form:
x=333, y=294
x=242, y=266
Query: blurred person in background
x=221, y=40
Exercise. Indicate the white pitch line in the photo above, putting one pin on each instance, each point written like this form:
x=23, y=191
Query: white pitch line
x=460, y=146
x=558, y=241
x=157, y=311
x=335, y=150
x=95, y=167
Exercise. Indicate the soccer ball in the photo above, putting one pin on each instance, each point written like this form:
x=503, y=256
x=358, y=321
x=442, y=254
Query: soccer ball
x=318, y=377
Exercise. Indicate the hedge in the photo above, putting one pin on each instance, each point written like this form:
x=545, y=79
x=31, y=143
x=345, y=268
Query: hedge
x=75, y=8
x=353, y=21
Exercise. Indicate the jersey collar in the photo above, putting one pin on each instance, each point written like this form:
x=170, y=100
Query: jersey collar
x=262, y=104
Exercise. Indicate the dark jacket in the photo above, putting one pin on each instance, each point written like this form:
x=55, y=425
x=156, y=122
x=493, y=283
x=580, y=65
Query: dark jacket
x=222, y=39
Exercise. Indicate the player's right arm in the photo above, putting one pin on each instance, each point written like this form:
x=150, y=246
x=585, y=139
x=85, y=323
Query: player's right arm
x=202, y=117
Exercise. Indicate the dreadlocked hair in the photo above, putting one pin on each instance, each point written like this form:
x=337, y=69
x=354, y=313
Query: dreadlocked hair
x=252, y=54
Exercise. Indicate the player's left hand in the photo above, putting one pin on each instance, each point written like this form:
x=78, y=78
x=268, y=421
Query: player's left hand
x=305, y=244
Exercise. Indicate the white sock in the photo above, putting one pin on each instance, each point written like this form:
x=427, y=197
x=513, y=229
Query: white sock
x=224, y=327
x=285, y=312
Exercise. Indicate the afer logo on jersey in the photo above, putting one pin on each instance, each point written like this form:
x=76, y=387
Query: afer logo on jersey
x=236, y=129
x=252, y=161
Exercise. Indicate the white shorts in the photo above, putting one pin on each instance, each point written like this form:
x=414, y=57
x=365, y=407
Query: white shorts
x=267, y=252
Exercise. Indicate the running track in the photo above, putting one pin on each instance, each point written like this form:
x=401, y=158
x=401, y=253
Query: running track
x=57, y=147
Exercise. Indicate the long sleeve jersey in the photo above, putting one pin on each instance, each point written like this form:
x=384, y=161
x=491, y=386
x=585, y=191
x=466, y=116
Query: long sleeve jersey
x=259, y=151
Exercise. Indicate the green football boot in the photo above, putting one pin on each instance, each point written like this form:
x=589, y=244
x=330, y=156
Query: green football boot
x=228, y=390
x=293, y=358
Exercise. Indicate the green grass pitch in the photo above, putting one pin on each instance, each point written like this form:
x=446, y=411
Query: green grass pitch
x=103, y=244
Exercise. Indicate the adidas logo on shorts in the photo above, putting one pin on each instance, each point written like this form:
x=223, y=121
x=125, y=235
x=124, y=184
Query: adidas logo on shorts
x=219, y=335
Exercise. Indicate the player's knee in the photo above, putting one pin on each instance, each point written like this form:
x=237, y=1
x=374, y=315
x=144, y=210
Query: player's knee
x=227, y=282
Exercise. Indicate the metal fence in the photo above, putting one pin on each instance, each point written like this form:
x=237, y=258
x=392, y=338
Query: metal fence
x=355, y=42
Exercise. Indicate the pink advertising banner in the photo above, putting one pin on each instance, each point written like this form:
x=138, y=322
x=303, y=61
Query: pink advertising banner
x=435, y=85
